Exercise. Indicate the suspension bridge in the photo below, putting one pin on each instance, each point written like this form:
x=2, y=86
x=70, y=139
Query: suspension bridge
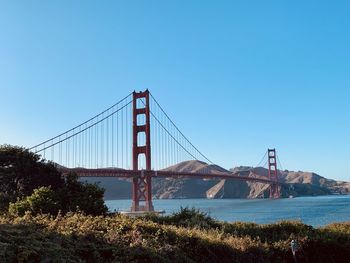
x=136, y=139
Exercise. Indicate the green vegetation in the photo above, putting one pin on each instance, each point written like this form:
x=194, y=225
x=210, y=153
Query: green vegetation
x=72, y=197
x=75, y=237
x=22, y=171
x=29, y=183
x=43, y=200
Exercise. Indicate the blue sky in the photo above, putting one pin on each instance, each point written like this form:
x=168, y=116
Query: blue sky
x=236, y=76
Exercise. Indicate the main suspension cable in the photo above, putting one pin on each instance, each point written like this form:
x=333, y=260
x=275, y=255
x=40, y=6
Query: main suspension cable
x=207, y=159
x=78, y=126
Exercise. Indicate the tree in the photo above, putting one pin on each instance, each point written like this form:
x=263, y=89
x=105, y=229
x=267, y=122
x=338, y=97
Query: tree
x=82, y=196
x=31, y=183
x=22, y=171
x=72, y=197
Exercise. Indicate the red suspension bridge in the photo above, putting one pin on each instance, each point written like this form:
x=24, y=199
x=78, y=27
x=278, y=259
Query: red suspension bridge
x=136, y=139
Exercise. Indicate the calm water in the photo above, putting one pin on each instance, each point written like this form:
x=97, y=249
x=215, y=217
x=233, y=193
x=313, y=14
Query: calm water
x=316, y=211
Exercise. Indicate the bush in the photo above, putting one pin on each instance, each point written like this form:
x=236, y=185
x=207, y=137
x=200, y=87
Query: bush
x=43, y=200
x=187, y=217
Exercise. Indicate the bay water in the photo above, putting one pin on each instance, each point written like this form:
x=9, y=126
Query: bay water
x=315, y=211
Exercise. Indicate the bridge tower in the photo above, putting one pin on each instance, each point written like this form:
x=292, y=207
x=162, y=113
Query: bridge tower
x=274, y=188
x=141, y=185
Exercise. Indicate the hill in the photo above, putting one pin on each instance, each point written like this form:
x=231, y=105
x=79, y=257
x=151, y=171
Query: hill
x=298, y=184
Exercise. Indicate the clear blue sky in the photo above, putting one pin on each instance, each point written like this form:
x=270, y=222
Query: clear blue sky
x=236, y=76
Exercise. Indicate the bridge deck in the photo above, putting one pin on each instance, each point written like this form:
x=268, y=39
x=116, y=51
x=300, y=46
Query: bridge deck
x=120, y=173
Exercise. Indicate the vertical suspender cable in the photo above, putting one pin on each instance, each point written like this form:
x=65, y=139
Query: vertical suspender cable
x=107, y=143
x=125, y=133
x=122, y=144
x=113, y=140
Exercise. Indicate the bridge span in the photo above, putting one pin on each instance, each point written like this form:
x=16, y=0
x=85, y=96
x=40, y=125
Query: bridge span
x=138, y=136
x=130, y=174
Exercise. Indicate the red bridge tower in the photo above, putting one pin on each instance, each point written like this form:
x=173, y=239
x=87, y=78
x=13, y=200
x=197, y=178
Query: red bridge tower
x=141, y=185
x=275, y=187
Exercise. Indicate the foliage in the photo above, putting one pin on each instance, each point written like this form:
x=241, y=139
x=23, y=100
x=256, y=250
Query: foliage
x=186, y=217
x=22, y=171
x=43, y=200
x=79, y=196
x=72, y=197
x=30, y=183
x=4, y=201
x=75, y=237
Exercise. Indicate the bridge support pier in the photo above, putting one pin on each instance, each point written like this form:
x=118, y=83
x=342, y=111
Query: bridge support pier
x=142, y=184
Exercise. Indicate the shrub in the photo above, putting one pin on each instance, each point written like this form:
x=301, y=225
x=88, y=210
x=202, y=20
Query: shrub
x=187, y=217
x=43, y=200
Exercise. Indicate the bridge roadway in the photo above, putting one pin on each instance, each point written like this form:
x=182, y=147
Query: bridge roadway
x=121, y=173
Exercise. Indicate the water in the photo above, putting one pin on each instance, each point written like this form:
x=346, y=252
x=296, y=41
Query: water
x=315, y=211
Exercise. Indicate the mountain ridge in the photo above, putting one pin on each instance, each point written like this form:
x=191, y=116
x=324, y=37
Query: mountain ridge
x=296, y=184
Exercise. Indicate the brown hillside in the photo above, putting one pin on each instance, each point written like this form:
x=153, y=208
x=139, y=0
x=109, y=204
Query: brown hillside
x=297, y=184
